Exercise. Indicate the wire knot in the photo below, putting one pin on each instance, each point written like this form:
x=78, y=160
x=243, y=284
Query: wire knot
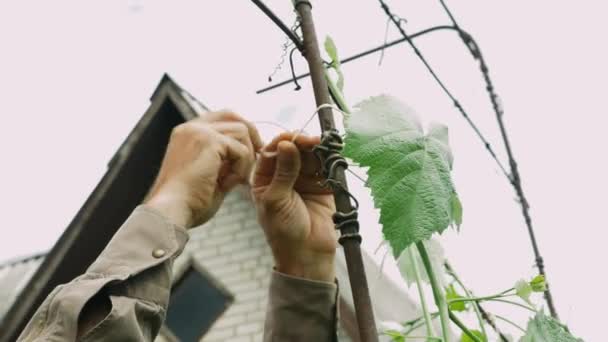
x=328, y=151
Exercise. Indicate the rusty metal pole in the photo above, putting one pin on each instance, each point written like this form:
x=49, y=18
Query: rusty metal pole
x=349, y=230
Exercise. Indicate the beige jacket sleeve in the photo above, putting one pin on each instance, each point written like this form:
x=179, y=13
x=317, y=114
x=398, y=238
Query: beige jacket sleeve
x=133, y=273
x=301, y=310
x=132, y=276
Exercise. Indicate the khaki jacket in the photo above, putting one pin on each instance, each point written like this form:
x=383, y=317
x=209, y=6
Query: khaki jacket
x=127, y=291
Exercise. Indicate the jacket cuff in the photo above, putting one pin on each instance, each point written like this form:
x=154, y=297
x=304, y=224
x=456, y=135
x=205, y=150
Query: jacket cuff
x=145, y=240
x=301, y=309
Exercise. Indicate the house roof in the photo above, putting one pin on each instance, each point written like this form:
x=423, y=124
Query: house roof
x=129, y=175
x=14, y=274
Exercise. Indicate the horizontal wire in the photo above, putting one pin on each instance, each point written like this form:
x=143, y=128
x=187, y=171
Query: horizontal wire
x=362, y=54
x=486, y=143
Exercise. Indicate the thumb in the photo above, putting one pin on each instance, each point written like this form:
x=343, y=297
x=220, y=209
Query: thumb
x=286, y=172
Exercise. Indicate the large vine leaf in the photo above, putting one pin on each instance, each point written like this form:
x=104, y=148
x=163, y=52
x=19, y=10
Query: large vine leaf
x=409, y=172
x=543, y=328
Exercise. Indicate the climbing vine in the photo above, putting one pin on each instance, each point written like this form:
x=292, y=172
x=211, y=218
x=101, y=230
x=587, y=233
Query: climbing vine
x=409, y=174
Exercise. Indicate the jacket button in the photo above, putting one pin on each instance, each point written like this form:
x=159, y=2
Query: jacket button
x=159, y=253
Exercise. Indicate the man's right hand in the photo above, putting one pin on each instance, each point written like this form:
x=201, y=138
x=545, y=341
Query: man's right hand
x=205, y=159
x=294, y=210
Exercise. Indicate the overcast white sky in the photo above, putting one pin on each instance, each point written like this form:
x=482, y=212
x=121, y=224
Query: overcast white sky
x=75, y=76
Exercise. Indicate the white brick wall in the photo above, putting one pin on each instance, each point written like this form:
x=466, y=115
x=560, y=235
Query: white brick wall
x=233, y=249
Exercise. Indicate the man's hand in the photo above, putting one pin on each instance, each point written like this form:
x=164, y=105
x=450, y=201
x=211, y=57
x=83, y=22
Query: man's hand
x=294, y=210
x=205, y=159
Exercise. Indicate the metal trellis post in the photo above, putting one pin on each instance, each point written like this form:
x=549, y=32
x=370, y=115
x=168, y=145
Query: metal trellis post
x=334, y=166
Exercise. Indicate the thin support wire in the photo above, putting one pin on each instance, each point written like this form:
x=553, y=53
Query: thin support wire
x=280, y=24
x=397, y=22
x=472, y=46
x=364, y=53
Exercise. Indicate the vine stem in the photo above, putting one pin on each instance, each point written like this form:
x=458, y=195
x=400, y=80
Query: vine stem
x=475, y=304
x=425, y=309
x=510, y=322
x=415, y=325
x=479, y=299
x=437, y=291
x=514, y=303
x=462, y=327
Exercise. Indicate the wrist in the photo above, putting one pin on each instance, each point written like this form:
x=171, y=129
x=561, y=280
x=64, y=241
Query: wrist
x=320, y=269
x=176, y=211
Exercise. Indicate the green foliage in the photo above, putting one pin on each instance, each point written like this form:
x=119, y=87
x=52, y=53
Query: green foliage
x=451, y=294
x=409, y=172
x=523, y=290
x=538, y=283
x=436, y=255
x=332, y=51
x=395, y=335
x=465, y=338
x=543, y=328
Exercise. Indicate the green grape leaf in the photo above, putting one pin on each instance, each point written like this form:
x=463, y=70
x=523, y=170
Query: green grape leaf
x=395, y=336
x=543, y=328
x=538, y=283
x=451, y=294
x=332, y=52
x=465, y=338
x=436, y=255
x=409, y=172
x=392, y=329
x=523, y=290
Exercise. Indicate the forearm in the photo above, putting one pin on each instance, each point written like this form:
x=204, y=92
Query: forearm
x=125, y=290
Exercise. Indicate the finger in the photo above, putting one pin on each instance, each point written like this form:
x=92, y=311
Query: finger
x=303, y=141
x=264, y=170
x=287, y=170
x=236, y=130
x=226, y=115
x=238, y=154
x=266, y=163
